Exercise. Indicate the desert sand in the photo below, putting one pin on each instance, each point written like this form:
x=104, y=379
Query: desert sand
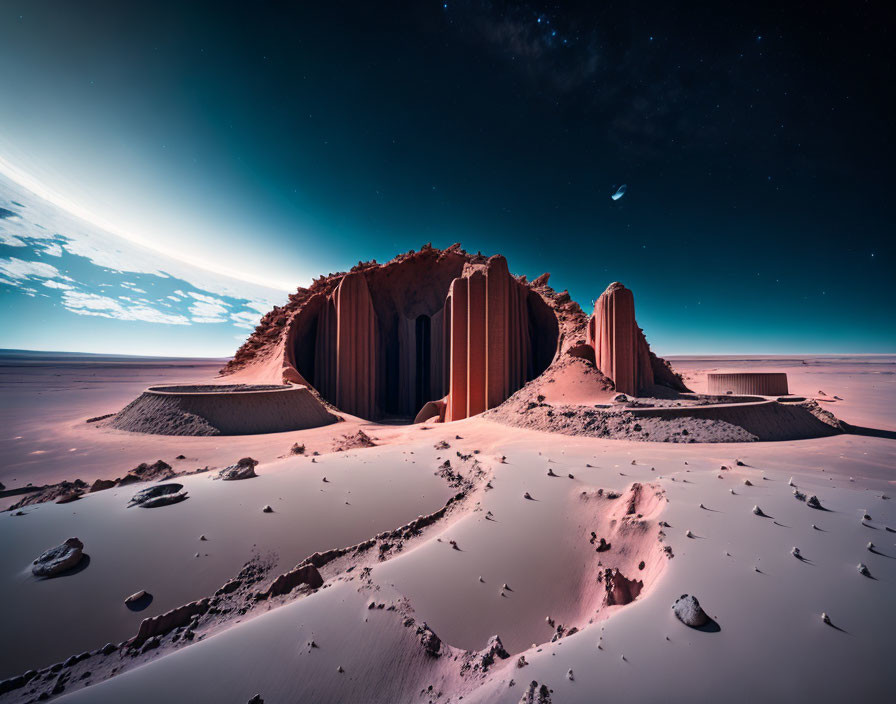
x=770, y=640
x=523, y=539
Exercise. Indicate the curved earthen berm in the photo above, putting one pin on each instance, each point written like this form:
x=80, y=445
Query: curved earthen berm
x=223, y=410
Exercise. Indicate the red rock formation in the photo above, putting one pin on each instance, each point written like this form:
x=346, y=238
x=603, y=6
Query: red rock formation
x=492, y=351
x=619, y=350
x=385, y=340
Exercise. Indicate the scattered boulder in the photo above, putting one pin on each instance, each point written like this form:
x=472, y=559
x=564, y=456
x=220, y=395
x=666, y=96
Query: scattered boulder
x=267, y=509
x=758, y=511
x=429, y=640
x=863, y=570
x=59, y=559
x=158, y=495
x=536, y=694
x=244, y=469
x=102, y=485
x=688, y=610
x=144, y=472
x=813, y=502
x=494, y=649
x=136, y=596
x=297, y=449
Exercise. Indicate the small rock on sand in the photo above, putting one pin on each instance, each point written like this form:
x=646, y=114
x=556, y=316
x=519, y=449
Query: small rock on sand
x=59, y=559
x=688, y=610
x=159, y=495
x=813, y=502
x=135, y=597
x=863, y=570
x=757, y=511
x=267, y=509
x=244, y=469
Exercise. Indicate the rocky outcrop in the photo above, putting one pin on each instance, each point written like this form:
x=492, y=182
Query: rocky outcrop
x=285, y=583
x=168, y=621
x=441, y=330
x=59, y=559
x=243, y=469
x=489, y=318
x=620, y=350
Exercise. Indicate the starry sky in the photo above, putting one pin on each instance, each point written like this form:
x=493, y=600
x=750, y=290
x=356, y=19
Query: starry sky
x=266, y=143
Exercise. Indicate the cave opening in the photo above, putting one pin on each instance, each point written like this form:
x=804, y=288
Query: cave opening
x=423, y=355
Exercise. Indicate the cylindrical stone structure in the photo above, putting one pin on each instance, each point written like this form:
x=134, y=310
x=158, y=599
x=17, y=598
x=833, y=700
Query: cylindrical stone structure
x=759, y=383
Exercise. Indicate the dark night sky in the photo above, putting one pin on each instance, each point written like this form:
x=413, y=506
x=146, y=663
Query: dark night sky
x=291, y=139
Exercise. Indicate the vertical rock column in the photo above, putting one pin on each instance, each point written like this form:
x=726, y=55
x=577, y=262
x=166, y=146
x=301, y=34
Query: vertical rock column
x=487, y=328
x=477, y=377
x=457, y=308
x=618, y=348
x=498, y=292
x=355, y=347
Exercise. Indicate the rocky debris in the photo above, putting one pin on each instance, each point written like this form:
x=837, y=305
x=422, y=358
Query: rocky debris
x=757, y=511
x=13, y=683
x=863, y=570
x=58, y=559
x=168, y=621
x=795, y=551
x=688, y=610
x=747, y=482
x=136, y=596
x=826, y=619
x=267, y=509
x=618, y=589
x=494, y=649
x=813, y=502
x=429, y=640
x=302, y=574
x=442, y=445
x=569, y=675
x=536, y=694
x=256, y=700
x=521, y=661
x=101, y=485
x=353, y=442
x=602, y=544
x=798, y=495
x=870, y=547
x=144, y=472
x=70, y=496
x=528, y=496
x=297, y=449
x=63, y=492
x=243, y=469
x=158, y=495
x=689, y=534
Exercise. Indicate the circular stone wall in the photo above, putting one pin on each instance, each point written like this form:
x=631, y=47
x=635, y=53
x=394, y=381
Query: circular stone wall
x=762, y=383
x=222, y=410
